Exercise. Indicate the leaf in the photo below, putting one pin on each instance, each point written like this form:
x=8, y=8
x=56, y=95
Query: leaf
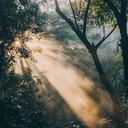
x=18, y=106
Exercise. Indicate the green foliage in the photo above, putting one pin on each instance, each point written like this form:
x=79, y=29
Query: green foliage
x=19, y=106
x=125, y=107
x=101, y=13
x=17, y=16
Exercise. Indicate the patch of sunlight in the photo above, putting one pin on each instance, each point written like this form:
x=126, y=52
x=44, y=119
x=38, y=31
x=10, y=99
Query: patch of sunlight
x=68, y=84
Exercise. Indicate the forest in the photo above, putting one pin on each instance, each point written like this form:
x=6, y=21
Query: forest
x=63, y=64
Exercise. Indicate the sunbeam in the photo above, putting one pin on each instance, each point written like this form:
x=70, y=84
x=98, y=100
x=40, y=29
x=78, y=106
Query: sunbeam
x=77, y=90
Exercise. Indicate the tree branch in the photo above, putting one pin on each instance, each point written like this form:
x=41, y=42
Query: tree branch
x=85, y=17
x=113, y=8
x=74, y=15
x=69, y=21
x=81, y=36
x=104, y=38
x=63, y=15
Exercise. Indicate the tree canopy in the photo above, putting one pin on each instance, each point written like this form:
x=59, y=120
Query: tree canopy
x=16, y=18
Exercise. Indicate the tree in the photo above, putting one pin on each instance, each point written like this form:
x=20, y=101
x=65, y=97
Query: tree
x=16, y=17
x=81, y=11
x=116, y=12
x=120, y=12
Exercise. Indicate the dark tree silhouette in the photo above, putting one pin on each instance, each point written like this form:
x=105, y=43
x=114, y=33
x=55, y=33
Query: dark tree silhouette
x=121, y=18
x=16, y=17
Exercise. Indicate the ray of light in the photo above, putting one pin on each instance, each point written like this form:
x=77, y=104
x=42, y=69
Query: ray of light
x=76, y=89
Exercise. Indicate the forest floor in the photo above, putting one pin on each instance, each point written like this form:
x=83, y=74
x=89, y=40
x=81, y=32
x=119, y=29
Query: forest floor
x=66, y=92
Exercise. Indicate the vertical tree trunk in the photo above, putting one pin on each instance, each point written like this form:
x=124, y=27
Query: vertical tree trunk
x=116, y=105
x=125, y=64
x=124, y=47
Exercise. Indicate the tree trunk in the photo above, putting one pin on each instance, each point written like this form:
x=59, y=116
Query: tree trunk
x=124, y=47
x=118, y=117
